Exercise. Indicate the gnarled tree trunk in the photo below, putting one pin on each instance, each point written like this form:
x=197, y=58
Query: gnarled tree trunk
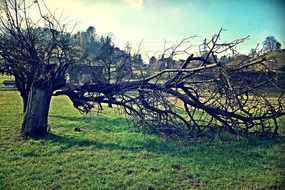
x=35, y=122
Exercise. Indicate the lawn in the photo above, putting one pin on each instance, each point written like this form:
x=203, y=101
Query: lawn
x=111, y=154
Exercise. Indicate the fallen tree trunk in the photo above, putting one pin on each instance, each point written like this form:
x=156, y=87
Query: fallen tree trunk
x=187, y=104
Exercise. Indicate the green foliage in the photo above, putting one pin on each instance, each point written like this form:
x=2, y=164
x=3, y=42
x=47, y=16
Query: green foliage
x=110, y=154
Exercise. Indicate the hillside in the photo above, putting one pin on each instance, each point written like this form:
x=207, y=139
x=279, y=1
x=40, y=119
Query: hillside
x=279, y=56
x=275, y=62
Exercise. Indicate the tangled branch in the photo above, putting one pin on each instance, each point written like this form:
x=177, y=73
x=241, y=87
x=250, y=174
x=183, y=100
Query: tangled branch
x=202, y=95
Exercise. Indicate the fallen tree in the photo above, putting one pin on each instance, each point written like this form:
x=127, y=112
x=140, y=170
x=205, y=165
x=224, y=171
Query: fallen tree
x=203, y=94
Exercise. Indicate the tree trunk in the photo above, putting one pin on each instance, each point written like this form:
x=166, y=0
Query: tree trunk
x=25, y=97
x=35, y=122
x=23, y=85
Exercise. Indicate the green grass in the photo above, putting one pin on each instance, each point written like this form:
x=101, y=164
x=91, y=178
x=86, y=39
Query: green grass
x=110, y=154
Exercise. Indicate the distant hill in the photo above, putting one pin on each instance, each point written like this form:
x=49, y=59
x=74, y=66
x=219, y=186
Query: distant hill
x=275, y=58
x=279, y=56
x=275, y=61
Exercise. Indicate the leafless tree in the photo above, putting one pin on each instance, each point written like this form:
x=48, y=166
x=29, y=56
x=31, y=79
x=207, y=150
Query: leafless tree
x=203, y=95
x=37, y=53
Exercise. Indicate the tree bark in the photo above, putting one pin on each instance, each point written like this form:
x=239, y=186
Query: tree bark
x=23, y=85
x=25, y=97
x=35, y=122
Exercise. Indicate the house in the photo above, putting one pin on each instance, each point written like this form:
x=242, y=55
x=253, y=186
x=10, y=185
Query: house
x=84, y=73
x=164, y=63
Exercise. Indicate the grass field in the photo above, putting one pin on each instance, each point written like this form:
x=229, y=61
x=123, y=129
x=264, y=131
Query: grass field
x=110, y=154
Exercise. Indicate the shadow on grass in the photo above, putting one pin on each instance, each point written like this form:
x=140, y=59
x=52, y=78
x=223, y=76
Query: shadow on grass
x=70, y=142
x=202, y=147
x=98, y=123
x=216, y=149
x=84, y=118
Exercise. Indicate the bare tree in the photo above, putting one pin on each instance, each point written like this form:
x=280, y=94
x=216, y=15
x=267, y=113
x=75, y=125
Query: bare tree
x=37, y=53
x=270, y=44
x=204, y=94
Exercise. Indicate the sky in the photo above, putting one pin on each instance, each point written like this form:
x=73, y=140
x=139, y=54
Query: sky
x=154, y=21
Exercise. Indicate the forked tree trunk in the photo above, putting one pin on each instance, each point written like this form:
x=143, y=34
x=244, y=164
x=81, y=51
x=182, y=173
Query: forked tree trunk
x=35, y=122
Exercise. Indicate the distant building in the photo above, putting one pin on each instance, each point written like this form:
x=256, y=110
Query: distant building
x=83, y=73
x=164, y=63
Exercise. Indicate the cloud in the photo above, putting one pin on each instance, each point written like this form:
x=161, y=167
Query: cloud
x=135, y=4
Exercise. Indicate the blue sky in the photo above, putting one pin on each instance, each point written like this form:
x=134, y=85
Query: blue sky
x=155, y=21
